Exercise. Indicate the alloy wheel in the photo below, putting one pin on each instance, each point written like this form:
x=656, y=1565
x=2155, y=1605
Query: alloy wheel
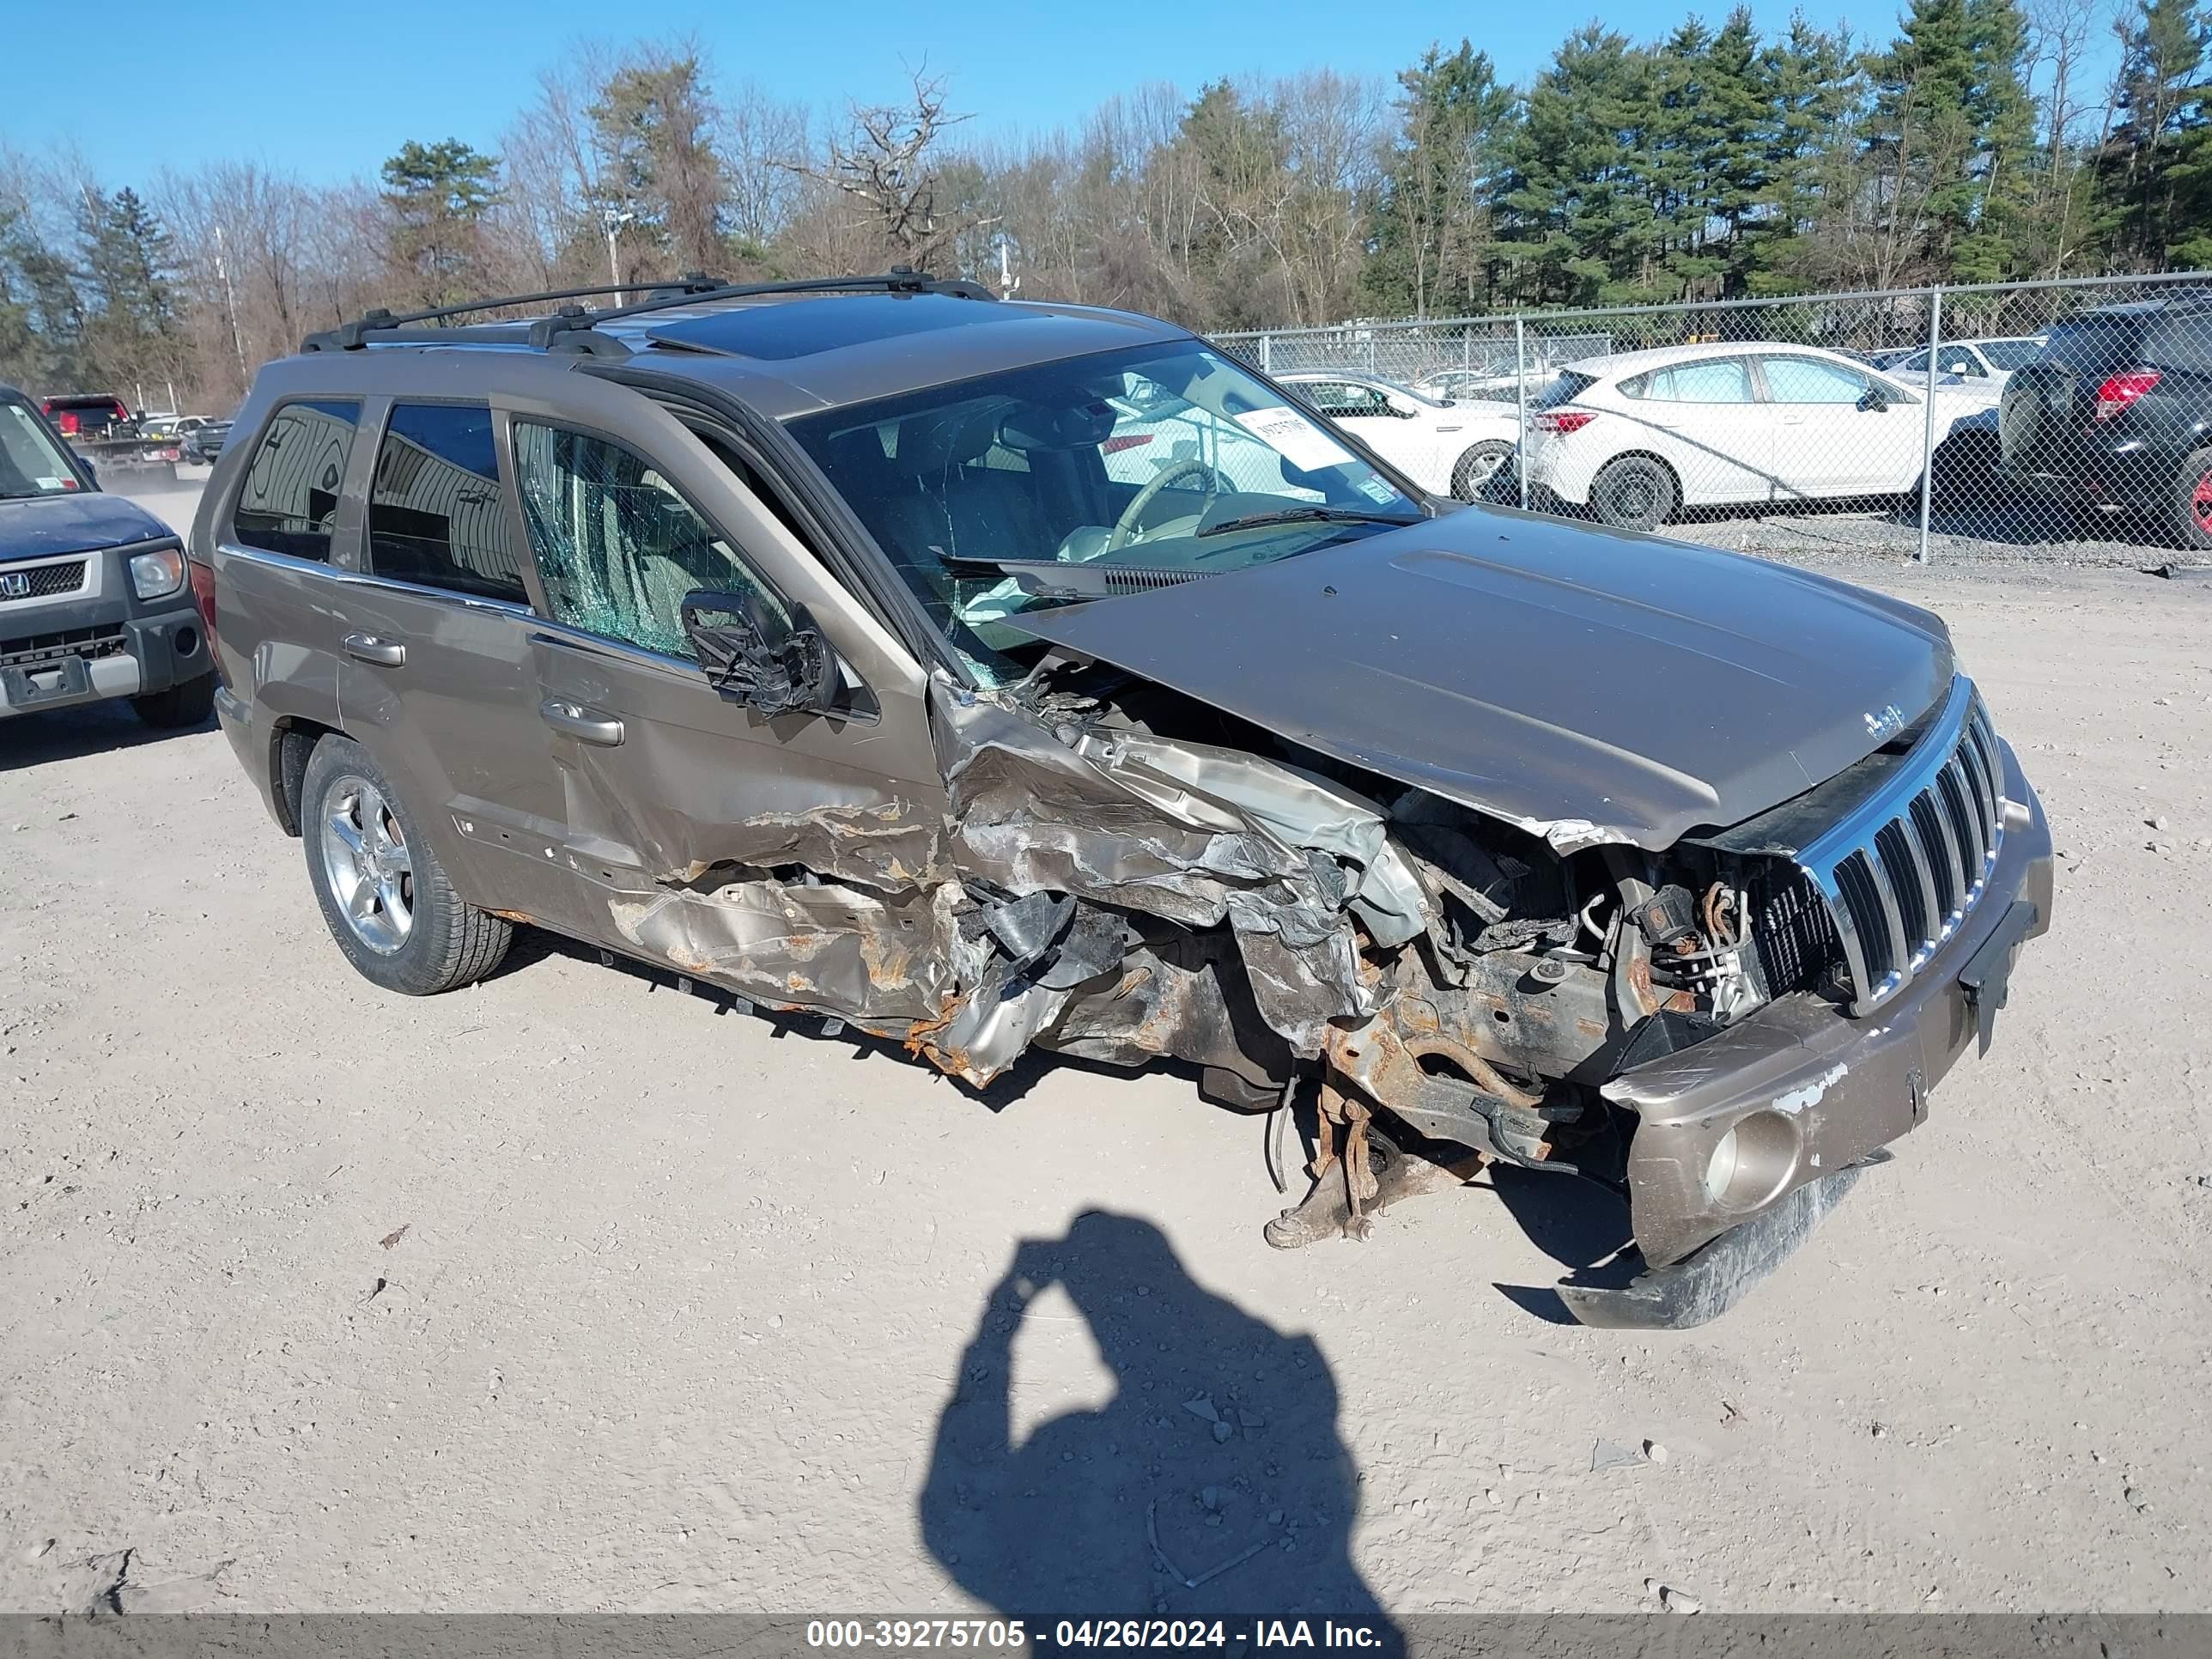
x=367, y=863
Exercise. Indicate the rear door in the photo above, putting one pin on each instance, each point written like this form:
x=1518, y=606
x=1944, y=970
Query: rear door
x=289, y=525
x=435, y=673
x=1702, y=418
x=731, y=844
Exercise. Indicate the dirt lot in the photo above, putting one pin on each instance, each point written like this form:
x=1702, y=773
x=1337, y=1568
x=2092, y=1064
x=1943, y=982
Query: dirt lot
x=572, y=1292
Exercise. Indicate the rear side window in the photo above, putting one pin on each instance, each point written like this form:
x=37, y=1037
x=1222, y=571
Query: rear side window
x=2096, y=341
x=1725, y=381
x=289, y=501
x=2184, y=343
x=436, y=515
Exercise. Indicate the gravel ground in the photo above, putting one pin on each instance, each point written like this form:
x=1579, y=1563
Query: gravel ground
x=569, y=1292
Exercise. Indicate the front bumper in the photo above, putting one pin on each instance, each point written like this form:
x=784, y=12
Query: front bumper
x=1812, y=1091
x=59, y=653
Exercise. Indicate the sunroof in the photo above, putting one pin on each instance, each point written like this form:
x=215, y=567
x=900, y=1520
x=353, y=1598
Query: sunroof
x=801, y=328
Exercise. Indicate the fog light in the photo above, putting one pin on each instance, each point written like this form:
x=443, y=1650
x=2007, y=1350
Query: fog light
x=1753, y=1161
x=156, y=574
x=1720, y=1168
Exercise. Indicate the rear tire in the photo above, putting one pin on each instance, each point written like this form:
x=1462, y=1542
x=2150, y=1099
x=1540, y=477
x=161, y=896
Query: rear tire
x=2192, y=502
x=382, y=893
x=1636, y=492
x=1474, y=473
x=188, y=702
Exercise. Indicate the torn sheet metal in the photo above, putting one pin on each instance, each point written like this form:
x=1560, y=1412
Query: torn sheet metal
x=1099, y=891
x=825, y=946
x=1198, y=835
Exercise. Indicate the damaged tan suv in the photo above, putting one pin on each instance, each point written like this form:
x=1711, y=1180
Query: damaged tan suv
x=989, y=676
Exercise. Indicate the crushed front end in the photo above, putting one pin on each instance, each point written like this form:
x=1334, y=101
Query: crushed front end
x=1723, y=1032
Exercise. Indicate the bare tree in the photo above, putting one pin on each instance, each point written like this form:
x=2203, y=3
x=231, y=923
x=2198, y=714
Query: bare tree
x=885, y=165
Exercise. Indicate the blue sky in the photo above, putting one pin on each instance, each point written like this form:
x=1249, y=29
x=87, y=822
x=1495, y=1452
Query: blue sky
x=329, y=90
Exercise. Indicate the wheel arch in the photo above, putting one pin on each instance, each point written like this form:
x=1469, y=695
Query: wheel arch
x=292, y=740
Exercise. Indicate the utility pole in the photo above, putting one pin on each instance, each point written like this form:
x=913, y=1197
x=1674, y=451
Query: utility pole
x=614, y=219
x=230, y=305
x=1007, y=281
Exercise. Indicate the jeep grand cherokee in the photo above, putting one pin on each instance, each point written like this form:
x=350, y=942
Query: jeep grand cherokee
x=821, y=642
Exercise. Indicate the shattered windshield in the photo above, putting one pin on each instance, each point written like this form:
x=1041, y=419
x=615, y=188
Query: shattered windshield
x=1172, y=461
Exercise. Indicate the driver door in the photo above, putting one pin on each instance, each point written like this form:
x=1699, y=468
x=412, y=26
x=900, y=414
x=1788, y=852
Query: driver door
x=669, y=785
x=1829, y=439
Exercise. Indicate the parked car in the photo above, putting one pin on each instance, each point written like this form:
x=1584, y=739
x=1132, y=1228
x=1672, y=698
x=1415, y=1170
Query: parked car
x=1988, y=361
x=204, y=442
x=174, y=428
x=1448, y=448
x=2118, y=411
x=91, y=588
x=1636, y=438
x=808, y=648
x=1497, y=370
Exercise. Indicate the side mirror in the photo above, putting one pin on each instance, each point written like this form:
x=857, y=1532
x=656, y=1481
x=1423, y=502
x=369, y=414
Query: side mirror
x=1959, y=367
x=1874, y=401
x=751, y=655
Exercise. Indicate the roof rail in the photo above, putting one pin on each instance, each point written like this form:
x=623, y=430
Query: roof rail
x=552, y=331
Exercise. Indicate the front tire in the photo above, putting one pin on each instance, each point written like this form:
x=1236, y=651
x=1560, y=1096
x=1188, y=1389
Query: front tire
x=188, y=702
x=1636, y=492
x=382, y=893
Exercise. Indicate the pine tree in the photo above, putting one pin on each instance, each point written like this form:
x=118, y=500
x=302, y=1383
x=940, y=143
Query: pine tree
x=1578, y=194
x=1431, y=224
x=438, y=195
x=2155, y=160
x=1949, y=135
x=131, y=327
x=653, y=127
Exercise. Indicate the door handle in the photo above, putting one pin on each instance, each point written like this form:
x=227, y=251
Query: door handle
x=369, y=648
x=579, y=722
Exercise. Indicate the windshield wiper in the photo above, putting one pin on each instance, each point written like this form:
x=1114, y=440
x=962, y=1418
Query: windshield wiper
x=1068, y=578
x=1311, y=515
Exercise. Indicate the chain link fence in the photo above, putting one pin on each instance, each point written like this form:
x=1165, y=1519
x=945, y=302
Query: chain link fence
x=2068, y=419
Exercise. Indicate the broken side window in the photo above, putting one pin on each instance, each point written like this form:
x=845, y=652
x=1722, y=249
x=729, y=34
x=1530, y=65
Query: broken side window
x=618, y=547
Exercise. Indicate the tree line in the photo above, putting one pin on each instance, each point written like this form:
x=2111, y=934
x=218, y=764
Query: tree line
x=1987, y=140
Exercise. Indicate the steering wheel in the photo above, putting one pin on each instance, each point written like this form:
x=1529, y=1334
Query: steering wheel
x=1125, y=527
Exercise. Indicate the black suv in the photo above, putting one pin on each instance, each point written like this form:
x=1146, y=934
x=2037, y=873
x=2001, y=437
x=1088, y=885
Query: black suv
x=985, y=677
x=2118, y=411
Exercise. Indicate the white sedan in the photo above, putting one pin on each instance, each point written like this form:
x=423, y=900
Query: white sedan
x=1448, y=448
x=1636, y=438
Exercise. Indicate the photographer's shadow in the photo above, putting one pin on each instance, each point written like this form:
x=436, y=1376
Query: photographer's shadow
x=1212, y=1483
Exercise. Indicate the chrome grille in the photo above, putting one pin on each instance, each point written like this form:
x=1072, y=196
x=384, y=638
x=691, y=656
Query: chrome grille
x=41, y=581
x=1907, y=864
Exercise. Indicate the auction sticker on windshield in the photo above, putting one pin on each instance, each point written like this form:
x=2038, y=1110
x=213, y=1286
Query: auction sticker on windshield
x=1294, y=437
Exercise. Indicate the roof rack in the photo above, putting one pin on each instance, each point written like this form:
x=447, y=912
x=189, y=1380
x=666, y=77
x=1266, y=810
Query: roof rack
x=569, y=327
